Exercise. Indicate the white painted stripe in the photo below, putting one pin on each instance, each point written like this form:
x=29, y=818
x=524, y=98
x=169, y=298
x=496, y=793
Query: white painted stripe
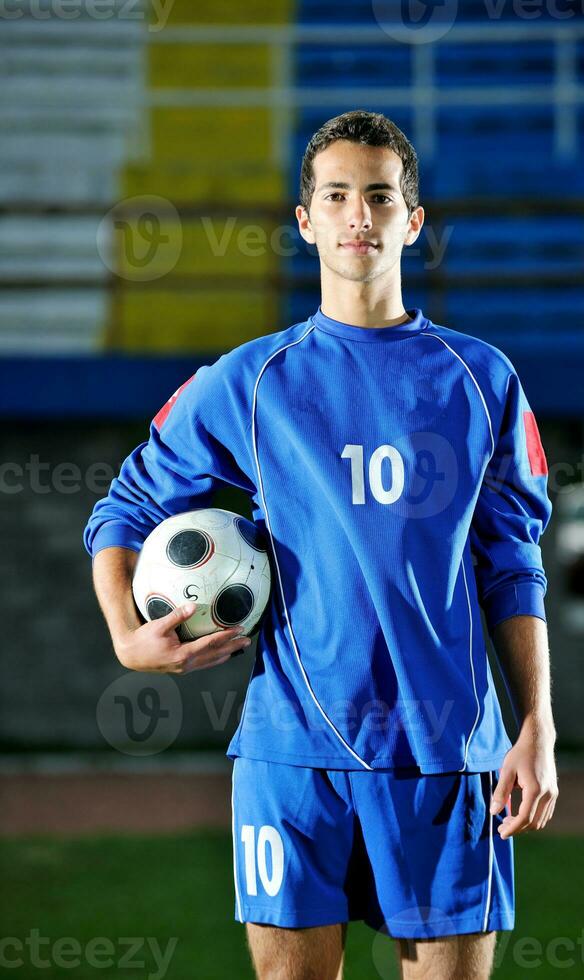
x=302, y=33
x=481, y=396
x=491, y=857
x=238, y=900
x=471, y=666
x=261, y=491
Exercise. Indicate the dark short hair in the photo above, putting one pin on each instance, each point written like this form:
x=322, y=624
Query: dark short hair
x=369, y=129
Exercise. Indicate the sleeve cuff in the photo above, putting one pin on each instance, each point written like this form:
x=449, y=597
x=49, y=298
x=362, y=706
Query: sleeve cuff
x=114, y=535
x=515, y=599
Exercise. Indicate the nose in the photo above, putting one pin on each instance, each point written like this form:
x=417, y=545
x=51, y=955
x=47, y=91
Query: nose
x=360, y=215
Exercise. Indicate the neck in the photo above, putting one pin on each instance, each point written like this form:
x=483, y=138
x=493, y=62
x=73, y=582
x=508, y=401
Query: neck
x=363, y=304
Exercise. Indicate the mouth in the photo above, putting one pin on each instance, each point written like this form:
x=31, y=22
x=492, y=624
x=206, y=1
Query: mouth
x=359, y=248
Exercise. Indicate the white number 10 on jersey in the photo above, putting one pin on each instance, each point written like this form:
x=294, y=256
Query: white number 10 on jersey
x=383, y=495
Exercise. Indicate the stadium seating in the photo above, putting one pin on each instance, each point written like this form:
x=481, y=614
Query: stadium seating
x=203, y=154
x=95, y=112
x=491, y=140
x=70, y=119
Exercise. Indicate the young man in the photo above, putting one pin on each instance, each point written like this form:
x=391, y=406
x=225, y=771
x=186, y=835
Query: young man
x=397, y=470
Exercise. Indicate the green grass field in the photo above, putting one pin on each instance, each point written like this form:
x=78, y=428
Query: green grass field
x=157, y=888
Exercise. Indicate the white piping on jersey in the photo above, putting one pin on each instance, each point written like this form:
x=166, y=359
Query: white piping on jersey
x=481, y=396
x=261, y=490
x=484, y=404
x=471, y=667
x=238, y=899
x=491, y=852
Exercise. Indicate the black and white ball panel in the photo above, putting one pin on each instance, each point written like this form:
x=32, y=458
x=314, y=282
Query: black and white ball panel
x=157, y=607
x=188, y=548
x=233, y=605
x=218, y=559
x=251, y=533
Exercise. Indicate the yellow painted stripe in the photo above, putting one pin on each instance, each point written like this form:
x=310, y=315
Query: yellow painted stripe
x=202, y=320
x=209, y=66
x=226, y=12
x=211, y=137
x=182, y=182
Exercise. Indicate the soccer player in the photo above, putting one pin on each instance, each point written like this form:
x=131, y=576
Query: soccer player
x=397, y=471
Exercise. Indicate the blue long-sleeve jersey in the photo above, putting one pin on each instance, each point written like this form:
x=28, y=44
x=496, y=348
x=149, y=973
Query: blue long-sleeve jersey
x=398, y=475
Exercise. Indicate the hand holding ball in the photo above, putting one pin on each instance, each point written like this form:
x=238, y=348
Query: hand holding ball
x=212, y=557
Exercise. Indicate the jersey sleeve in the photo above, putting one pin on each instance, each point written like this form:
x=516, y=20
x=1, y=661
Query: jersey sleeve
x=511, y=513
x=195, y=446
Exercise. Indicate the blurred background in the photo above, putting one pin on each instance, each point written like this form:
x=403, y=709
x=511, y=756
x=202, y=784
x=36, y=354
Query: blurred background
x=150, y=156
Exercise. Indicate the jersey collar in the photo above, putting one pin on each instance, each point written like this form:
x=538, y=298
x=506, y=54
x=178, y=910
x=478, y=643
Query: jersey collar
x=415, y=325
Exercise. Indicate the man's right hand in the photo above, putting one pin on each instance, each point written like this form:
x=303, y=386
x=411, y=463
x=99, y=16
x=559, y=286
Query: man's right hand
x=155, y=646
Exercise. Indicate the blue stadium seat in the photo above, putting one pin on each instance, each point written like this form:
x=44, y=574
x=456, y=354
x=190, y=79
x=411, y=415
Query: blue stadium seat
x=552, y=315
x=328, y=65
x=536, y=245
x=469, y=12
x=335, y=11
x=531, y=63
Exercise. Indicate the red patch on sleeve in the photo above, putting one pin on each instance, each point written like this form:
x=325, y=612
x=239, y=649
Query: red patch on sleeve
x=537, y=460
x=161, y=416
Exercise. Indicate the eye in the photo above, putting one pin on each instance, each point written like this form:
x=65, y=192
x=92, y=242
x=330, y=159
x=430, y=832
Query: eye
x=384, y=196
x=334, y=194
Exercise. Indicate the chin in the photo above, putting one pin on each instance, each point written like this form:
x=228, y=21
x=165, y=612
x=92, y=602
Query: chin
x=357, y=275
x=348, y=270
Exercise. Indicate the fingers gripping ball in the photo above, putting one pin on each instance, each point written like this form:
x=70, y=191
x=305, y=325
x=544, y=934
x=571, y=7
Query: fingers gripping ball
x=211, y=557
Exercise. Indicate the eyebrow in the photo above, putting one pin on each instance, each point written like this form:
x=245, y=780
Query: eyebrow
x=346, y=187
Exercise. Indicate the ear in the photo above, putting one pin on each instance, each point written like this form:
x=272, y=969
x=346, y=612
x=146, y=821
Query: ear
x=304, y=226
x=414, y=226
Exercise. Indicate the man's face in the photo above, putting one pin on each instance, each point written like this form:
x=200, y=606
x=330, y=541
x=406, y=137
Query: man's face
x=369, y=207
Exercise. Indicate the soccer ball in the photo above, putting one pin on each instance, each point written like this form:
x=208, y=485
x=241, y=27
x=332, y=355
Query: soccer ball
x=214, y=558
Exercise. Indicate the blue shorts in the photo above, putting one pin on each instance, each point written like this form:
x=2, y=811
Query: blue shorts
x=414, y=856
